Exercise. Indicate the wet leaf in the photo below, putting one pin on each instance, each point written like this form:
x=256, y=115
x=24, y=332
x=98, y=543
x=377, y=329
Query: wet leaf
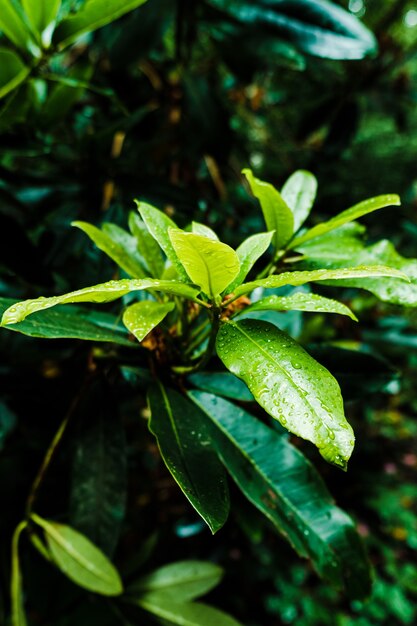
x=202, y=229
x=249, y=252
x=299, y=192
x=147, y=246
x=222, y=384
x=142, y=317
x=301, y=302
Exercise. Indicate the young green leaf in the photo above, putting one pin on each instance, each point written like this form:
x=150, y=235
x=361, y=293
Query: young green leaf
x=301, y=302
x=16, y=587
x=202, y=229
x=142, y=317
x=118, y=245
x=105, y=292
x=277, y=214
x=285, y=487
x=12, y=71
x=183, y=581
x=299, y=192
x=79, y=559
x=93, y=14
x=13, y=25
x=185, y=448
x=221, y=384
x=289, y=384
x=359, y=210
x=300, y=278
x=210, y=264
x=158, y=225
x=248, y=253
x=41, y=13
x=184, y=613
x=147, y=246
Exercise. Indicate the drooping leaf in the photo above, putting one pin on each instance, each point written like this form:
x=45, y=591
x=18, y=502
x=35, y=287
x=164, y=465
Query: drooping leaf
x=184, y=613
x=158, y=225
x=185, y=448
x=105, y=292
x=299, y=192
x=249, y=252
x=359, y=210
x=117, y=244
x=18, y=614
x=140, y=318
x=202, y=229
x=183, y=581
x=222, y=384
x=70, y=323
x=283, y=485
x=92, y=15
x=12, y=70
x=300, y=278
x=99, y=468
x=210, y=264
x=41, y=13
x=79, y=559
x=301, y=302
x=277, y=214
x=147, y=246
x=13, y=25
x=289, y=384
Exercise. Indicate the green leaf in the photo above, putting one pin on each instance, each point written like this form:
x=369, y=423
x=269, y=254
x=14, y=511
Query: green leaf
x=300, y=278
x=285, y=487
x=41, y=13
x=63, y=96
x=12, y=71
x=277, y=214
x=248, y=253
x=210, y=264
x=18, y=614
x=301, y=302
x=79, y=559
x=105, y=292
x=184, y=614
x=183, y=581
x=142, y=317
x=73, y=323
x=93, y=14
x=185, y=448
x=222, y=384
x=359, y=210
x=299, y=192
x=289, y=384
x=117, y=244
x=202, y=229
x=158, y=225
x=13, y=25
x=147, y=246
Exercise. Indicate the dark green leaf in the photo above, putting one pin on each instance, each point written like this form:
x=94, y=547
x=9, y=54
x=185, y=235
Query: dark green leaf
x=222, y=384
x=17, y=607
x=147, y=246
x=12, y=71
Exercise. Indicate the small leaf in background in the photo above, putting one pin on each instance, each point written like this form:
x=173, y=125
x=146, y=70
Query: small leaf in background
x=299, y=192
x=12, y=70
x=277, y=214
x=359, y=210
x=13, y=25
x=184, y=613
x=62, y=97
x=79, y=559
x=202, y=229
x=301, y=302
x=289, y=384
x=183, y=581
x=16, y=588
x=210, y=264
x=99, y=468
x=142, y=317
x=148, y=248
x=285, y=487
x=41, y=13
x=185, y=447
x=248, y=253
x=222, y=384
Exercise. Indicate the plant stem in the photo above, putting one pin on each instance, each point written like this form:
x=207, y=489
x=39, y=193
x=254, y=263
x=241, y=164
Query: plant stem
x=215, y=323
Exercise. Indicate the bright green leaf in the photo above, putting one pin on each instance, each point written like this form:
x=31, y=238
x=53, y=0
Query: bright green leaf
x=119, y=245
x=210, y=264
x=289, y=384
x=363, y=208
x=142, y=317
x=16, y=587
x=13, y=25
x=301, y=302
x=277, y=214
x=285, y=487
x=249, y=252
x=221, y=384
x=147, y=246
x=79, y=559
x=93, y=14
x=41, y=13
x=202, y=229
x=184, y=614
x=299, y=192
x=12, y=71
x=185, y=448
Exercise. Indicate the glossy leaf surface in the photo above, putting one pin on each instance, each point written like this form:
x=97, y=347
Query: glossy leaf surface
x=41, y=13
x=202, y=229
x=248, y=253
x=12, y=23
x=301, y=302
x=184, y=614
x=289, y=384
x=210, y=264
x=277, y=214
x=285, y=487
x=79, y=559
x=12, y=71
x=147, y=246
x=142, y=317
x=299, y=192
x=185, y=447
x=222, y=384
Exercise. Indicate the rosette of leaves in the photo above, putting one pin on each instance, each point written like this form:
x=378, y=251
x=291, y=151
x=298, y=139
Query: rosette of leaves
x=187, y=298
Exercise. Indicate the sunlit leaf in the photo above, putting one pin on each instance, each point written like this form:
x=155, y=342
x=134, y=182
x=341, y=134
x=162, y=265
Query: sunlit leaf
x=299, y=192
x=41, y=13
x=13, y=25
x=301, y=302
x=142, y=317
x=249, y=252
x=147, y=246
x=186, y=613
x=202, y=229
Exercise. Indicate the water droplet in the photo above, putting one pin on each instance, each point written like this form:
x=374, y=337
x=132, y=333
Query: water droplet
x=296, y=365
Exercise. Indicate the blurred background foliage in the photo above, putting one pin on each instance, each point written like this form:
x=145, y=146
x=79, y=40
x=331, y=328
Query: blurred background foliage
x=167, y=105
